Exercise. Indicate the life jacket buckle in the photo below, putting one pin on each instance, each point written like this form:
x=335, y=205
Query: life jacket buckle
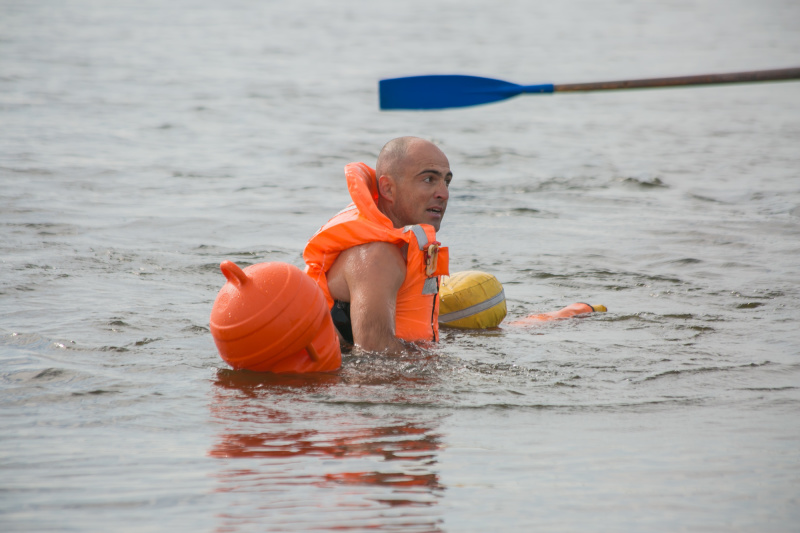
x=431, y=258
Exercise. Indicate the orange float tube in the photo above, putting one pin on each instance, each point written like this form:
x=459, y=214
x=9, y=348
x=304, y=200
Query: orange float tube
x=271, y=317
x=566, y=312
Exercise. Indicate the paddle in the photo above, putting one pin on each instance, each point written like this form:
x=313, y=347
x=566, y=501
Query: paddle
x=444, y=91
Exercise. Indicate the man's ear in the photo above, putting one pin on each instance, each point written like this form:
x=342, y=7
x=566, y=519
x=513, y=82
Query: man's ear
x=386, y=187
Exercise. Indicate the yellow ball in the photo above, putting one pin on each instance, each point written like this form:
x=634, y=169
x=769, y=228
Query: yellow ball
x=471, y=300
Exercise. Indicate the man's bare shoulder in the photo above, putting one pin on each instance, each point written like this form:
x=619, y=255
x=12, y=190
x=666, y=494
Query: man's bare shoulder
x=377, y=264
x=374, y=261
x=374, y=252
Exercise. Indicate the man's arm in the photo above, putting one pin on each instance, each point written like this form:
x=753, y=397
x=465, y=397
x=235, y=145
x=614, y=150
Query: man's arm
x=373, y=273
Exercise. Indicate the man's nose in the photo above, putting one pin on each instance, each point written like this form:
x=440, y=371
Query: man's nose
x=442, y=191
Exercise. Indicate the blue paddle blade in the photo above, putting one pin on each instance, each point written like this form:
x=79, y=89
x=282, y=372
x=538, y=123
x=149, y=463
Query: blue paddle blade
x=445, y=91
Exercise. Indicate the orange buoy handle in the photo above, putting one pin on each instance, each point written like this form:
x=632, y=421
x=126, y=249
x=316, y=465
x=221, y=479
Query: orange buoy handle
x=233, y=273
x=312, y=353
x=566, y=312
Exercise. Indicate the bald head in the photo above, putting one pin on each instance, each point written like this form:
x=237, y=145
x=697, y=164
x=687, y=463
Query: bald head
x=395, y=153
x=413, y=179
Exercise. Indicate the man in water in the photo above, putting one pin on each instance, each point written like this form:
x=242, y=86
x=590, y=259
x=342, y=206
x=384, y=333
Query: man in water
x=378, y=260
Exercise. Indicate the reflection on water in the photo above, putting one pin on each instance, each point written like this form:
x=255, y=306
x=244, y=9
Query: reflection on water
x=321, y=468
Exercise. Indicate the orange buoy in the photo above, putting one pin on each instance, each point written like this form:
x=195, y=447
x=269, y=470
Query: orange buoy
x=271, y=317
x=566, y=312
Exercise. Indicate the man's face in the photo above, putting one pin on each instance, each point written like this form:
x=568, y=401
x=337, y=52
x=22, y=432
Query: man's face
x=422, y=188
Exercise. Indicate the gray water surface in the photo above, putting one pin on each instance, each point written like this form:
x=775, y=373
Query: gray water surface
x=145, y=142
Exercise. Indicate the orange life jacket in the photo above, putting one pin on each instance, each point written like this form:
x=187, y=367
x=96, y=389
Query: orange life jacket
x=361, y=222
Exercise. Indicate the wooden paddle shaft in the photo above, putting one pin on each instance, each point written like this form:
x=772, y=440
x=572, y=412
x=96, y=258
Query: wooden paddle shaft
x=705, y=79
